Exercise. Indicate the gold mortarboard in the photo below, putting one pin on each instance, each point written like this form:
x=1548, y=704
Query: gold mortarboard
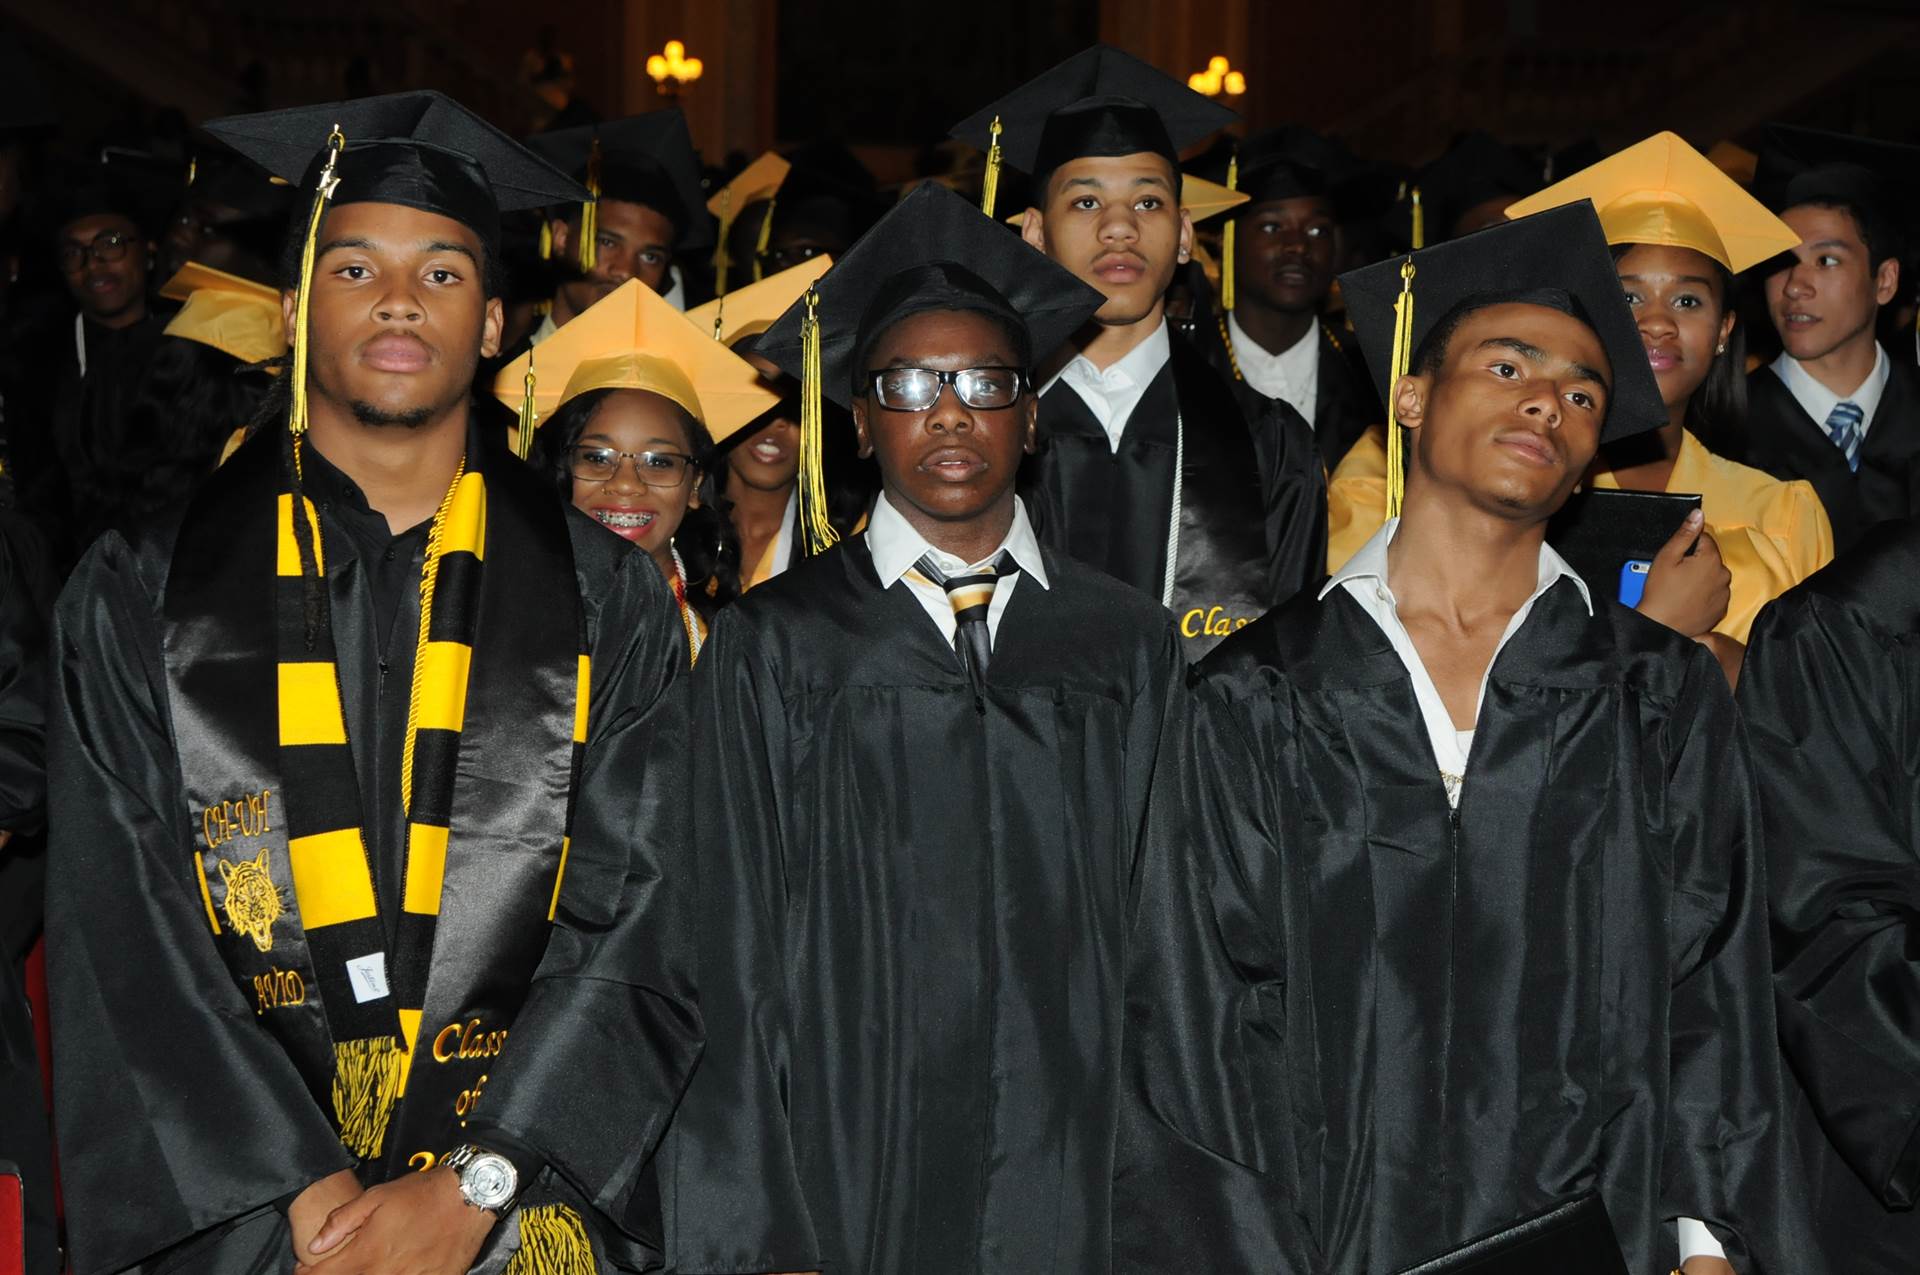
x=751, y=310
x=759, y=180
x=235, y=315
x=632, y=339
x=1662, y=191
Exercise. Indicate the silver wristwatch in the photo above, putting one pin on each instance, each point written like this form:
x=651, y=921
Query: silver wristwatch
x=487, y=1179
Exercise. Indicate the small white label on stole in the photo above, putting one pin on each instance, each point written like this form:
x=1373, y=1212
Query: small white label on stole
x=368, y=974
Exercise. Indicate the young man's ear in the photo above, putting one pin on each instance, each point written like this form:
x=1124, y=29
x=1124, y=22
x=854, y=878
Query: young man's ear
x=1033, y=229
x=1186, y=235
x=492, y=326
x=561, y=236
x=1410, y=400
x=289, y=312
x=860, y=427
x=1886, y=281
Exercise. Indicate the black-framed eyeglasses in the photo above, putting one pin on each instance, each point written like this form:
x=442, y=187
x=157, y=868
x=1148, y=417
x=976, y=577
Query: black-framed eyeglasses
x=915, y=389
x=590, y=464
x=107, y=248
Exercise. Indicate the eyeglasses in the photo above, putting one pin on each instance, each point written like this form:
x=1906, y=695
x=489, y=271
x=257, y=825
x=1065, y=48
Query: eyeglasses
x=915, y=389
x=656, y=469
x=107, y=248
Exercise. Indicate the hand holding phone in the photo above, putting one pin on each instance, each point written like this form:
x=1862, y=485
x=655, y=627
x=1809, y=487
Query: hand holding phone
x=1687, y=586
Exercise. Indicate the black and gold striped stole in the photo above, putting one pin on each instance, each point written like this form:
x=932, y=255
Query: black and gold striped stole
x=257, y=701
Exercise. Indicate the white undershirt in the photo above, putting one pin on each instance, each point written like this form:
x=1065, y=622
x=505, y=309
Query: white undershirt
x=1292, y=375
x=1818, y=402
x=896, y=546
x=1113, y=394
x=1365, y=580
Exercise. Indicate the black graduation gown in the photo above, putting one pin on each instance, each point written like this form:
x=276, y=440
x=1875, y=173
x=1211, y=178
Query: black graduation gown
x=1345, y=405
x=913, y=925
x=1253, y=524
x=1783, y=440
x=1401, y=1029
x=1831, y=694
x=182, y=1120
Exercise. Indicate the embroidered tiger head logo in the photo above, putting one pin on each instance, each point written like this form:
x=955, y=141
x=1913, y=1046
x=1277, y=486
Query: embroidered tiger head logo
x=253, y=901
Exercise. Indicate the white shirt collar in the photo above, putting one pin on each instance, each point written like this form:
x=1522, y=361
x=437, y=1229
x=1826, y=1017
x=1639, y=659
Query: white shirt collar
x=1818, y=402
x=1370, y=563
x=1113, y=394
x=896, y=546
x=1293, y=374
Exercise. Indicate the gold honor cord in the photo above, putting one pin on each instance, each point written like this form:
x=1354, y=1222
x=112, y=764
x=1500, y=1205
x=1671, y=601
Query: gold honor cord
x=297, y=416
x=990, y=181
x=1402, y=354
x=1226, y=243
x=587, y=250
x=813, y=479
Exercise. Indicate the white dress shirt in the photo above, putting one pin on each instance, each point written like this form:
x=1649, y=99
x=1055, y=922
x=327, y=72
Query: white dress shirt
x=1818, y=402
x=1365, y=580
x=1113, y=394
x=896, y=546
x=1292, y=375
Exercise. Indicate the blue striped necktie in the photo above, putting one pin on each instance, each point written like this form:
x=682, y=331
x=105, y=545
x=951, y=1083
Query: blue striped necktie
x=1843, y=427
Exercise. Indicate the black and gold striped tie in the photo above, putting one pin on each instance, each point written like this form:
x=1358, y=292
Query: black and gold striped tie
x=970, y=596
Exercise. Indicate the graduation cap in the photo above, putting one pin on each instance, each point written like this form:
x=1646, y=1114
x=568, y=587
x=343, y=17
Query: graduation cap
x=235, y=315
x=631, y=339
x=1099, y=102
x=419, y=150
x=1557, y=259
x=642, y=159
x=1662, y=191
x=756, y=183
x=751, y=310
x=1879, y=181
x=1478, y=167
x=933, y=251
x=827, y=194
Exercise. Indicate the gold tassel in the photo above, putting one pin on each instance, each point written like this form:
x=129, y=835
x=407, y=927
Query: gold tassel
x=529, y=417
x=366, y=1084
x=553, y=1241
x=587, y=250
x=721, y=263
x=1402, y=355
x=1419, y=221
x=990, y=183
x=546, y=239
x=813, y=477
x=766, y=237
x=297, y=416
x=1227, y=237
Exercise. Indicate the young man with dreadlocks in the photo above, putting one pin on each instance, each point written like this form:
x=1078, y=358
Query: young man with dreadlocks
x=349, y=911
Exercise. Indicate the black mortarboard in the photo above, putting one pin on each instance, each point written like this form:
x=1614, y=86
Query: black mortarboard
x=1879, y=180
x=419, y=150
x=827, y=193
x=24, y=105
x=1293, y=161
x=1098, y=102
x=1558, y=259
x=643, y=159
x=1476, y=168
x=933, y=251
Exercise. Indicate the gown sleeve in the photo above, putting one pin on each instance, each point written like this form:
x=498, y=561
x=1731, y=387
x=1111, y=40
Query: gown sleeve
x=610, y=1030
x=1728, y=1160
x=1295, y=487
x=176, y=1111
x=1203, y=1180
x=731, y=1177
x=23, y=692
x=1824, y=701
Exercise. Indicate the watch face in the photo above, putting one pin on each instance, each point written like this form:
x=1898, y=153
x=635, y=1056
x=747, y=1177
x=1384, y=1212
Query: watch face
x=488, y=1181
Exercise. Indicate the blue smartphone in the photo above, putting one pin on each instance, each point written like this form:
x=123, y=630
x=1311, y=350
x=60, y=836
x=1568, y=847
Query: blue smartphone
x=1633, y=580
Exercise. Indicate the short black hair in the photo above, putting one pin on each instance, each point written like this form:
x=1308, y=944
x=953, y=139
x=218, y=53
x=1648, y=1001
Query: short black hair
x=493, y=273
x=1877, y=231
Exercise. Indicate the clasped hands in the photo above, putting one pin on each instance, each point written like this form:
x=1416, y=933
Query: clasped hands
x=418, y=1224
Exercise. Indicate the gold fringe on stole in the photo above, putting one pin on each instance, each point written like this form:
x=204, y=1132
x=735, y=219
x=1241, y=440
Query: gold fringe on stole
x=990, y=182
x=587, y=250
x=367, y=1075
x=553, y=1241
x=1402, y=354
x=297, y=416
x=1419, y=221
x=763, y=239
x=529, y=416
x=1227, y=240
x=813, y=478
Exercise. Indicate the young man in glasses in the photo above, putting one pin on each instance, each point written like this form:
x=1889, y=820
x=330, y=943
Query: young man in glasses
x=920, y=763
